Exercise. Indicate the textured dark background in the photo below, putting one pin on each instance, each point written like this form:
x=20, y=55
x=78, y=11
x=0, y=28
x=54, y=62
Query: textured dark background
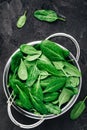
x=11, y=37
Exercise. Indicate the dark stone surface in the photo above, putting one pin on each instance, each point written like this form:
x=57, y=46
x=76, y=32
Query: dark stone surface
x=11, y=37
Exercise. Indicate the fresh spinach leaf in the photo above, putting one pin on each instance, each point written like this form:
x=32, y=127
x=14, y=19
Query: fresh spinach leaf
x=53, y=108
x=37, y=90
x=22, y=20
x=78, y=109
x=72, y=81
x=47, y=66
x=33, y=73
x=56, y=85
x=44, y=74
x=60, y=66
x=65, y=96
x=71, y=70
x=38, y=104
x=24, y=99
x=28, y=49
x=22, y=71
x=33, y=57
x=47, y=15
x=15, y=61
x=53, y=51
x=49, y=97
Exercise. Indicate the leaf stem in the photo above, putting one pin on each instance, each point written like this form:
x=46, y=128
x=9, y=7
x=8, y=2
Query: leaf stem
x=85, y=99
x=62, y=19
x=64, y=73
x=25, y=12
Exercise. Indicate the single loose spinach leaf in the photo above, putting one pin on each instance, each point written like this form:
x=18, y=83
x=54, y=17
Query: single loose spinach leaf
x=65, y=96
x=53, y=51
x=22, y=71
x=49, y=97
x=37, y=90
x=24, y=99
x=22, y=20
x=38, y=104
x=28, y=49
x=47, y=15
x=78, y=109
x=53, y=108
x=33, y=73
x=56, y=85
x=33, y=57
x=15, y=61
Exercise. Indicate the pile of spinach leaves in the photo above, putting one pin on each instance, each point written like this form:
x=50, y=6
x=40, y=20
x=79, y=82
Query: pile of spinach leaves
x=42, y=78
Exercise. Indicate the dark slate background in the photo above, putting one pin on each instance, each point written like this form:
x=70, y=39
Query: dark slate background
x=11, y=37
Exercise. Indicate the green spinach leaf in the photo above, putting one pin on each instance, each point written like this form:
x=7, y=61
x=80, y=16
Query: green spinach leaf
x=56, y=85
x=22, y=71
x=78, y=109
x=38, y=104
x=53, y=51
x=33, y=57
x=33, y=73
x=65, y=96
x=24, y=99
x=71, y=70
x=37, y=90
x=22, y=20
x=28, y=49
x=15, y=61
x=47, y=15
x=53, y=108
x=49, y=97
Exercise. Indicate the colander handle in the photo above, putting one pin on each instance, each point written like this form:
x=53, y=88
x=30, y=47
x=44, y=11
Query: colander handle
x=19, y=124
x=71, y=38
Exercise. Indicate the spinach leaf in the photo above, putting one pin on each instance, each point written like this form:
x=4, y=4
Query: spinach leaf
x=56, y=85
x=49, y=97
x=33, y=73
x=44, y=74
x=24, y=99
x=28, y=64
x=38, y=104
x=22, y=20
x=15, y=61
x=53, y=51
x=33, y=57
x=47, y=66
x=60, y=66
x=46, y=82
x=72, y=81
x=73, y=89
x=65, y=96
x=78, y=109
x=22, y=71
x=37, y=90
x=71, y=70
x=47, y=15
x=53, y=108
x=28, y=49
